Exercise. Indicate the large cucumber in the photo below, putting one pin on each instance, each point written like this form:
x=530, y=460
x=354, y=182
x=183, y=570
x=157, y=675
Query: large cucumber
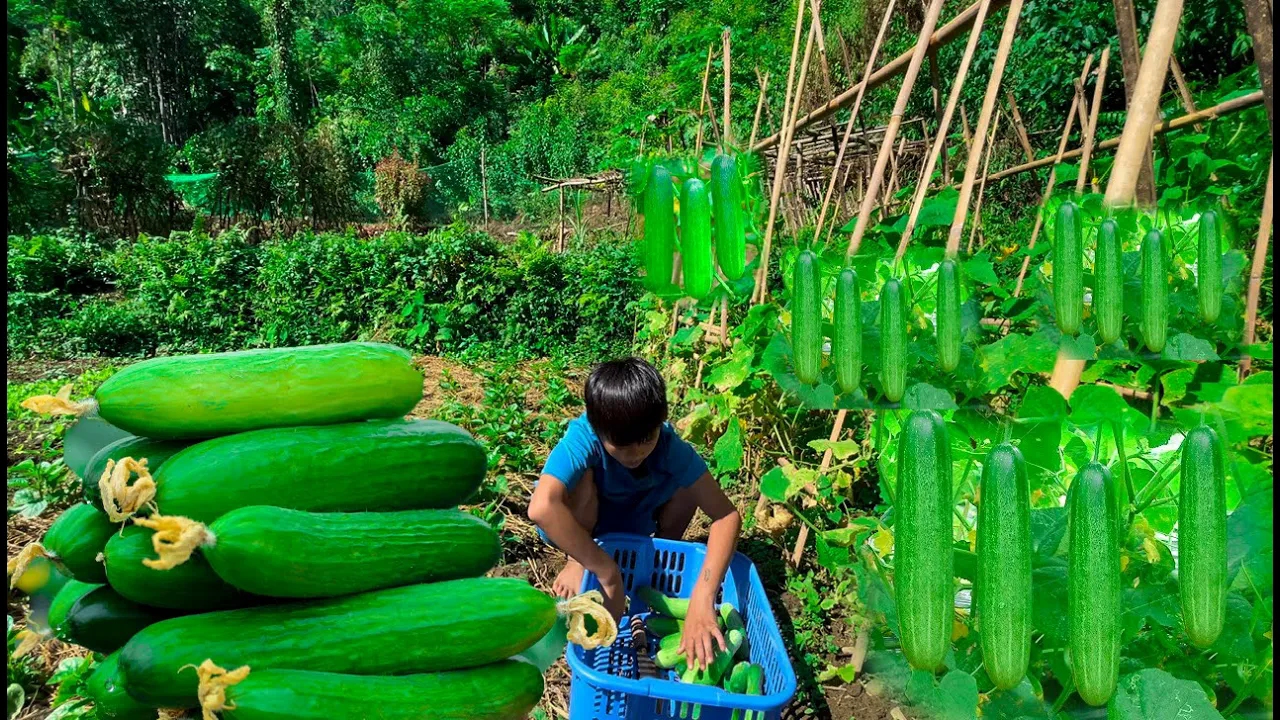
x=193, y=585
x=1068, y=269
x=659, y=229
x=103, y=621
x=726, y=199
x=505, y=690
x=105, y=687
x=278, y=552
x=195, y=396
x=1155, y=292
x=1002, y=601
x=155, y=452
x=1108, y=281
x=695, y=238
x=75, y=540
x=419, y=628
x=1209, y=267
x=922, y=559
x=846, y=345
x=1202, y=536
x=806, y=317
x=948, y=315
x=893, y=340
x=378, y=465
x=67, y=597
x=1093, y=585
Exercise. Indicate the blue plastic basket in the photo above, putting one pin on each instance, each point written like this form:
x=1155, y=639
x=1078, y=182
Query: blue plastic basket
x=606, y=685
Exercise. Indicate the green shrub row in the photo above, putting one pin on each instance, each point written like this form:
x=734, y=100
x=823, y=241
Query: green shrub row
x=450, y=291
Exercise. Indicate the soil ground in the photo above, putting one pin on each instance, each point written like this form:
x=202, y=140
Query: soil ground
x=524, y=554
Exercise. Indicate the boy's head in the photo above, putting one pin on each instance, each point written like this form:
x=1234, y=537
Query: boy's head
x=626, y=406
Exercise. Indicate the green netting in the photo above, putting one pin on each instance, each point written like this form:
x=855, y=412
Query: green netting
x=193, y=189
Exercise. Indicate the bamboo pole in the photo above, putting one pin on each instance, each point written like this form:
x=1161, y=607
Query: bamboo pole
x=780, y=167
x=1255, y=272
x=703, y=101
x=935, y=79
x=1131, y=58
x=1243, y=102
x=822, y=49
x=1143, y=111
x=728, y=92
x=939, y=140
x=1053, y=177
x=853, y=114
x=803, y=537
x=979, y=132
x=1090, y=131
x=895, y=121
x=1184, y=92
x=1019, y=127
x=764, y=87
x=1258, y=16
x=966, y=134
x=982, y=185
x=889, y=70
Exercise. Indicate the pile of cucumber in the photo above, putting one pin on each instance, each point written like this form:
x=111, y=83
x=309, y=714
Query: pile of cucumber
x=730, y=669
x=324, y=550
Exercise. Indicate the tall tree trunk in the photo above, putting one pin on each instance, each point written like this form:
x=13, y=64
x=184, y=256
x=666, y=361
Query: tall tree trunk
x=1258, y=14
x=278, y=20
x=1131, y=57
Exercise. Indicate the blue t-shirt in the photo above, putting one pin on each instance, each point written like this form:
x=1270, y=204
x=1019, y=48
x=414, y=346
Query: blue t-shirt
x=628, y=498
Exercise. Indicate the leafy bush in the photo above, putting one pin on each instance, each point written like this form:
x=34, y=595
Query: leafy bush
x=399, y=188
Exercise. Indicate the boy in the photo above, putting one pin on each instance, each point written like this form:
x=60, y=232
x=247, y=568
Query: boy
x=621, y=468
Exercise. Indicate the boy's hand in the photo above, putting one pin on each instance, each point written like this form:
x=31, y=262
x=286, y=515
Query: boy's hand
x=615, y=593
x=701, y=639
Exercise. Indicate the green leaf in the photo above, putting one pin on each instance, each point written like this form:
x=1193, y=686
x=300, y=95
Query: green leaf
x=1079, y=347
x=1188, y=348
x=1250, y=545
x=954, y=698
x=979, y=270
x=730, y=373
x=1048, y=528
x=1021, y=702
x=923, y=396
x=1154, y=694
x=728, y=449
x=1096, y=403
x=841, y=449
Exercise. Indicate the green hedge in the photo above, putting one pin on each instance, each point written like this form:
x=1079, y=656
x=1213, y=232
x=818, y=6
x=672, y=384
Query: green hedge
x=451, y=291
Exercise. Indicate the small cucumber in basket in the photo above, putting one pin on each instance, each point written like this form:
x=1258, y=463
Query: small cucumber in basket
x=676, y=608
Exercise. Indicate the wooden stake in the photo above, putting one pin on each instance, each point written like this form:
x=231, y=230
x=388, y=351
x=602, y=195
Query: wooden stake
x=853, y=114
x=1053, y=177
x=944, y=125
x=560, y=237
x=966, y=135
x=891, y=69
x=1243, y=102
x=728, y=93
x=1122, y=187
x=780, y=166
x=755, y=124
x=982, y=186
x=724, y=321
x=803, y=537
x=1131, y=58
x=1258, y=16
x=703, y=102
x=846, y=61
x=979, y=132
x=1188, y=102
x=1098, y=85
x=1255, y=272
x=822, y=49
x=936, y=81
x=895, y=121
x=1019, y=127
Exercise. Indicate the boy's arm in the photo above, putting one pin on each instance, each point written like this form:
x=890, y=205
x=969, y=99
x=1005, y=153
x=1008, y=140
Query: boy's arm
x=549, y=509
x=702, y=632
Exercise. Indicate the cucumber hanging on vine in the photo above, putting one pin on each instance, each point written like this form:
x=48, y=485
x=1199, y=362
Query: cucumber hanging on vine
x=1108, y=281
x=1209, y=267
x=726, y=200
x=846, y=346
x=1002, y=592
x=806, y=317
x=1068, y=269
x=659, y=229
x=695, y=238
x=893, y=340
x=1155, y=292
x=948, y=317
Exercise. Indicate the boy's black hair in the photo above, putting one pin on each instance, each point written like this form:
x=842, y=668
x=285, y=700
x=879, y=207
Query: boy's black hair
x=626, y=401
